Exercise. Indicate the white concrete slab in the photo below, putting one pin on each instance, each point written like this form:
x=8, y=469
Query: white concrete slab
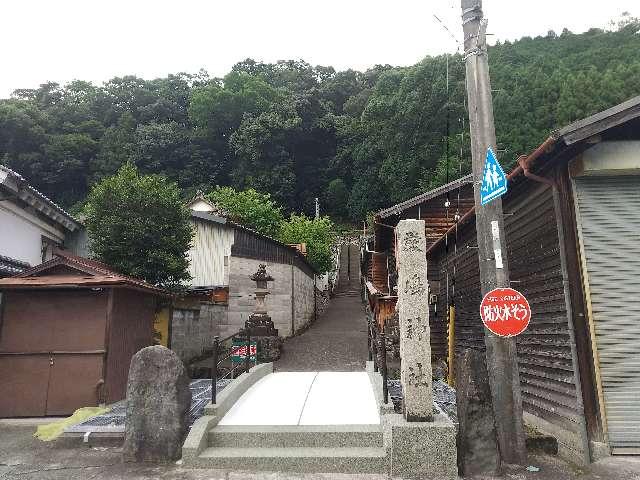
x=307, y=398
x=276, y=399
x=341, y=398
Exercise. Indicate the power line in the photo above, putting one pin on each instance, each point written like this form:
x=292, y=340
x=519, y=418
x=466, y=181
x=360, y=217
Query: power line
x=455, y=39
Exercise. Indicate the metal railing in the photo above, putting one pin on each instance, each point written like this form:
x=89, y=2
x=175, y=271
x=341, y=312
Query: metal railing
x=377, y=347
x=225, y=347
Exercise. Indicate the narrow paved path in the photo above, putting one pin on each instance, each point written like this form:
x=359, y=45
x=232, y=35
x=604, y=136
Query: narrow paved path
x=337, y=341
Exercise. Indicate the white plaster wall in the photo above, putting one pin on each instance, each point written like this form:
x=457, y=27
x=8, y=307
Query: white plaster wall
x=21, y=234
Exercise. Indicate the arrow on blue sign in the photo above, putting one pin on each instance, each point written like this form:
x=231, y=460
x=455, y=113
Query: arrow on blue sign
x=494, y=180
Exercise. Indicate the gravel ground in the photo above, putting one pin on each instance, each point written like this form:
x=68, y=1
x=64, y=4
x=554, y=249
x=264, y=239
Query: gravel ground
x=443, y=395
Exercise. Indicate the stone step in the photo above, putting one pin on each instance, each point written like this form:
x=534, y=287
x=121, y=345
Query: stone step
x=352, y=293
x=296, y=459
x=296, y=436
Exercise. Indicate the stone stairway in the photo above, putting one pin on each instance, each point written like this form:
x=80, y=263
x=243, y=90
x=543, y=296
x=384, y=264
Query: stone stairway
x=229, y=434
x=301, y=448
x=349, y=274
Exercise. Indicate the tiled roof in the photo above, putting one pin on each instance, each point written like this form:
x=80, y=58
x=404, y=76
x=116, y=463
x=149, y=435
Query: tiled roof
x=39, y=200
x=91, y=273
x=10, y=266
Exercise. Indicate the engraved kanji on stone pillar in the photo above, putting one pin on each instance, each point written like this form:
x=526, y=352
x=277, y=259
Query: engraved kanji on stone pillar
x=413, y=312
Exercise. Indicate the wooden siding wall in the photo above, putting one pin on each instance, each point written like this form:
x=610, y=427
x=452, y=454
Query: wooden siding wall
x=459, y=273
x=544, y=350
x=377, y=271
x=130, y=329
x=437, y=316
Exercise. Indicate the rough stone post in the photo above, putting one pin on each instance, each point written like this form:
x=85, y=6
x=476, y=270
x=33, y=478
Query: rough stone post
x=158, y=401
x=413, y=312
x=478, y=452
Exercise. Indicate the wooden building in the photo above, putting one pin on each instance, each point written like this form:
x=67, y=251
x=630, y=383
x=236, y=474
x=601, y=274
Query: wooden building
x=68, y=330
x=572, y=228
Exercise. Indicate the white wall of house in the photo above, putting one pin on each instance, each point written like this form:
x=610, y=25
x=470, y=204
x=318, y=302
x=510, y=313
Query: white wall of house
x=209, y=254
x=21, y=234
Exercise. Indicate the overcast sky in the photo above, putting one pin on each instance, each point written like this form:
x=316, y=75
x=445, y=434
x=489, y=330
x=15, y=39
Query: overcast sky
x=62, y=40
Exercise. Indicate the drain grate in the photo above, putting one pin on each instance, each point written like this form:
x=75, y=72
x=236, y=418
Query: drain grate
x=114, y=420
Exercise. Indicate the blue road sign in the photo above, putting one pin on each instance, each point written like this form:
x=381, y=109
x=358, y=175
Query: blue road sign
x=494, y=181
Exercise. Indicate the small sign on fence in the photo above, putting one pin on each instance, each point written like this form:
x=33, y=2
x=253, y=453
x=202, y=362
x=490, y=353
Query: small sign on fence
x=239, y=351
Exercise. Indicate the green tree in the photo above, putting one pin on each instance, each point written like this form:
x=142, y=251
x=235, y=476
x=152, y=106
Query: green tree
x=250, y=208
x=138, y=225
x=336, y=198
x=316, y=233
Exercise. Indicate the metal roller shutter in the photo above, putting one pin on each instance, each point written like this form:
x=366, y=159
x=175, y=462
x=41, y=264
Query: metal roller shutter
x=609, y=223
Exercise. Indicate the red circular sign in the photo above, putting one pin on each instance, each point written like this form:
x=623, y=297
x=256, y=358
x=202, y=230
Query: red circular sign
x=505, y=312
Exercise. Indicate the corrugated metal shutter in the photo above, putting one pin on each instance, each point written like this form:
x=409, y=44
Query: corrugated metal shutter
x=609, y=219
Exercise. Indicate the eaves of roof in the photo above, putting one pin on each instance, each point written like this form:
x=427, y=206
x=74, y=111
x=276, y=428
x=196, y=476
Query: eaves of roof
x=95, y=274
x=562, y=142
x=225, y=221
x=17, y=184
x=423, y=197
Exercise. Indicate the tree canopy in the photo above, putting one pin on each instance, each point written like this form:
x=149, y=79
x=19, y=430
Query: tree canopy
x=316, y=233
x=359, y=141
x=138, y=225
x=250, y=208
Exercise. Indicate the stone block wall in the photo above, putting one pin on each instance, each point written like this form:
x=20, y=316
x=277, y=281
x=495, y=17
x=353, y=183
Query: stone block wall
x=193, y=327
x=303, y=287
x=290, y=295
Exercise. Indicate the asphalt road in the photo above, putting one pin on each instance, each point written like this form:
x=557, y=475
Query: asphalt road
x=336, y=341
x=23, y=457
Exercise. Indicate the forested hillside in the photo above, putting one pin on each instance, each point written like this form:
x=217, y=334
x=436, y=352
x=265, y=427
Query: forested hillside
x=357, y=140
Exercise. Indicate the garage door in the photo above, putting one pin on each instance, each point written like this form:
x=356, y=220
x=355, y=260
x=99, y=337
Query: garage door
x=51, y=351
x=609, y=223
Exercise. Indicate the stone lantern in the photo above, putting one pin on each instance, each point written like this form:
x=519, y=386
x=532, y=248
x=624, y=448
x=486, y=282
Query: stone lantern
x=259, y=323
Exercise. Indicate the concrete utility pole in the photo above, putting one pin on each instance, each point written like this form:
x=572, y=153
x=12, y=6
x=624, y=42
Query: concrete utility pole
x=502, y=364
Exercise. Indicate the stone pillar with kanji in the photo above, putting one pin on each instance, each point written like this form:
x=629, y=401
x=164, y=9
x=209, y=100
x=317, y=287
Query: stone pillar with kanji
x=413, y=312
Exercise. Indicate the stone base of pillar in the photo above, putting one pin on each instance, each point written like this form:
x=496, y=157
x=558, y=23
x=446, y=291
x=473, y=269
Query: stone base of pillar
x=425, y=450
x=269, y=348
x=261, y=325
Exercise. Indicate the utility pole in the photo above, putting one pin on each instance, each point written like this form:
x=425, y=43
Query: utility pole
x=494, y=270
x=317, y=208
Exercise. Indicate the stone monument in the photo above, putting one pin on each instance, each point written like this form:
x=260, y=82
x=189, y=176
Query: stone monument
x=259, y=324
x=413, y=312
x=423, y=441
x=478, y=452
x=158, y=402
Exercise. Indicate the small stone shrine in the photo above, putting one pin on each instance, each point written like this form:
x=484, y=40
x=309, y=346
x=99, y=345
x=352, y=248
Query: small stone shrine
x=259, y=325
x=413, y=312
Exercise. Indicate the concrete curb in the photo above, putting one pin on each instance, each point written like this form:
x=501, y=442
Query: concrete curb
x=292, y=436
x=232, y=392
